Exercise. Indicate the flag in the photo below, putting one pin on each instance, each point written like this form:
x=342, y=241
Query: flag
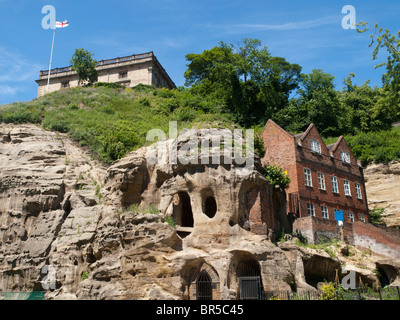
x=62, y=24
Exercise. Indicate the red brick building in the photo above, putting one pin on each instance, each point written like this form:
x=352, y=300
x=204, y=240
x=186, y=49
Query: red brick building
x=324, y=178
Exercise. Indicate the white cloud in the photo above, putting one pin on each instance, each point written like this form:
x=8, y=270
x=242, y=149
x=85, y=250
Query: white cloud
x=14, y=71
x=9, y=90
x=298, y=25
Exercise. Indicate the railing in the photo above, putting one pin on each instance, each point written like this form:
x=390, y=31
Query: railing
x=387, y=293
x=101, y=63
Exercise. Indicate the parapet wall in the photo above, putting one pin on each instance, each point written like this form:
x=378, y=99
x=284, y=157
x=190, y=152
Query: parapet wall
x=361, y=235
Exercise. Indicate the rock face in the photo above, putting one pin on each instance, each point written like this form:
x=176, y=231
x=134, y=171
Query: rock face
x=382, y=183
x=135, y=230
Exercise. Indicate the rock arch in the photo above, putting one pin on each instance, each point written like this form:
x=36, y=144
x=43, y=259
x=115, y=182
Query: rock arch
x=245, y=274
x=201, y=280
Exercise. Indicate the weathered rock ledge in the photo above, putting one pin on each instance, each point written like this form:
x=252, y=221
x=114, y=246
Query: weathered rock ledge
x=95, y=228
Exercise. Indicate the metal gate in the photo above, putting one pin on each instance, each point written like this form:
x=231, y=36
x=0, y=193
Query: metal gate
x=250, y=288
x=203, y=286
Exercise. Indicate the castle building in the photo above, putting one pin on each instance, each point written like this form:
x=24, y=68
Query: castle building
x=324, y=178
x=129, y=71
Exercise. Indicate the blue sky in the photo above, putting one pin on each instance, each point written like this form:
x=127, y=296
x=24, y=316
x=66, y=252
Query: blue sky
x=307, y=32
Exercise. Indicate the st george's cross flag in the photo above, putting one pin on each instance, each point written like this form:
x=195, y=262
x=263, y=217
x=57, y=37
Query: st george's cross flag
x=62, y=24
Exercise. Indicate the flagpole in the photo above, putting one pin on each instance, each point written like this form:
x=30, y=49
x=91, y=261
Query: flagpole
x=51, y=58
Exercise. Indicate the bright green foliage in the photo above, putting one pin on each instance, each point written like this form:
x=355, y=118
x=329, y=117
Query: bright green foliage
x=276, y=176
x=317, y=102
x=379, y=147
x=375, y=215
x=249, y=83
x=113, y=122
x=83, y=63
x=384, y=40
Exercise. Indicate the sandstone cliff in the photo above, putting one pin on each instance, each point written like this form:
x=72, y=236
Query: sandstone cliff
x=97, y=230
x=383, y=190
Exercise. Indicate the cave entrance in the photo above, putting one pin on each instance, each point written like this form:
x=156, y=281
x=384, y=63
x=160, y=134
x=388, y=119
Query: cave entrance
x=204, y=286
x=183, y=214
x=383, y=278
x=210, y=207
x=250, y=285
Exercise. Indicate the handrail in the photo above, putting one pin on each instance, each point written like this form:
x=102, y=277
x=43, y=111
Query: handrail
x=101, y=63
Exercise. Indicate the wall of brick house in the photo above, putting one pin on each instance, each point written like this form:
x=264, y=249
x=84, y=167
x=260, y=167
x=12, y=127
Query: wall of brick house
x=254, y=204
x=266, y=206
x=276, y=139
x=329, y=166
x=361, y=235
x=368, y=236
x=283, y=149
x=318, y=230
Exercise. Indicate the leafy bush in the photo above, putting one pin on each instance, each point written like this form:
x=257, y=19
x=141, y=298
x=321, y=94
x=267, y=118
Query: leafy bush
x=276, y=176
x=375, y=215
x=110, y=85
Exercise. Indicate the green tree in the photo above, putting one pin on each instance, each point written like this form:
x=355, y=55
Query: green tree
x=383, y=39
x=83, y=63
x=316, y=102
x=250, y=83
x=364, y=108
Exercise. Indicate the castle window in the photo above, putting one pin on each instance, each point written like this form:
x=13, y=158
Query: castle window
x=307, y=177
x=358, y=191
x=325, y=213
x=362, y=217
x=123, y=75
x=346, y=184
x=335, y=188
x=321, y=181
x=315, y=146
x=311, y=209
x=345, y=157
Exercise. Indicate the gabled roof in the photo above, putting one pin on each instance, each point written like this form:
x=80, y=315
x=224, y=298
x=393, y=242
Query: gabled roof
x=333, y=147
x=278, y=126
x=301, y=136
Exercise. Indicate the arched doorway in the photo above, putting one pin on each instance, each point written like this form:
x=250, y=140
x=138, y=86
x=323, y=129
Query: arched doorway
x=250, y=284
x=203, y=286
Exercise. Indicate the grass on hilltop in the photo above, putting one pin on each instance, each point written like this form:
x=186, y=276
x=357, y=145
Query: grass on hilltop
x=115, y=121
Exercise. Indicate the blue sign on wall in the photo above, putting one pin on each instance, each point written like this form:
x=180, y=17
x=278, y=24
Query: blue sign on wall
x=339, y=215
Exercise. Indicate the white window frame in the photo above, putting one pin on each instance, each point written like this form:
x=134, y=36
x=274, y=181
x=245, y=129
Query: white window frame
x=362, y=217
x=350, y=216
x=325, y=212
x=345, y=157
x=335, y=187
x=358, y=190
x=321, y=181
x=311, y=209
x=346, y=184
x=315, y=146
x=307, y=177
